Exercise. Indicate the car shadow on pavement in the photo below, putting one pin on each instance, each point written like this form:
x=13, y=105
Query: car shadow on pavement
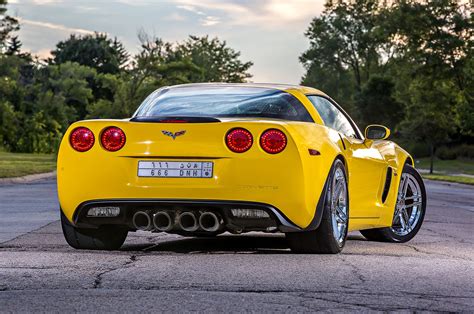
x=257, y=244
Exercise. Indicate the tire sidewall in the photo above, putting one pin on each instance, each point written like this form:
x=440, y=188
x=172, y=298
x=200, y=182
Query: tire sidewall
x=327, y=201
x=397, y=238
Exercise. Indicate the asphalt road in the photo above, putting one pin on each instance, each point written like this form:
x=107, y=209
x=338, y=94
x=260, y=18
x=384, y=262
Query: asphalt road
x=153, y=272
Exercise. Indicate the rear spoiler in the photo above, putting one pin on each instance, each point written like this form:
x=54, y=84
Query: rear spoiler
x=174, y=119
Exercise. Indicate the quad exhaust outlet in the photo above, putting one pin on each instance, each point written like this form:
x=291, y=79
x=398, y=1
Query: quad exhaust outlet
x=165, y=221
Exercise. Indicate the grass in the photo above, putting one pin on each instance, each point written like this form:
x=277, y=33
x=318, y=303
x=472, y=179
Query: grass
x=457, y=166
x=448, y=170
x=448, y=178
x=17, y=165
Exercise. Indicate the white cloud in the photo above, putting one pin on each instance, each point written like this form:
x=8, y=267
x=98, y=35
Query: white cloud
x=57, y=27
x=265, y=13
x=190, y=8
x=210, y=21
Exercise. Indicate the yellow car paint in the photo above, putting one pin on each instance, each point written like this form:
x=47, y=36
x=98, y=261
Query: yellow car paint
x=291, y=181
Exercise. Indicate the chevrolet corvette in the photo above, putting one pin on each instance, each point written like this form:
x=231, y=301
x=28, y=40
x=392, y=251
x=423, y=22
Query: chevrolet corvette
x=203, y=159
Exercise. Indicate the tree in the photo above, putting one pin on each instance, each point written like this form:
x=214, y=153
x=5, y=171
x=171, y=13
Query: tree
x=219, y=63
x=431, y=114
x=345, y=38
x=97, y=51
x=13, y=46
x=377, y=103
x=435, y=39
x=8, y=25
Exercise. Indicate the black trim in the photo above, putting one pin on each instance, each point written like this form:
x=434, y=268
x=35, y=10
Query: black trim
x=172, y=119
x=80, y=215
x=353, y=124
x=388, y=181
x=342, y=140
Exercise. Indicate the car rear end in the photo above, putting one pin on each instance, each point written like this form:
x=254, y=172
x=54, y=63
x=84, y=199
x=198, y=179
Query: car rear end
x=187, y=175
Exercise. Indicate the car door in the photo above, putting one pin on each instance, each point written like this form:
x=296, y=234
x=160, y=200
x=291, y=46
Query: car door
x=366, y=166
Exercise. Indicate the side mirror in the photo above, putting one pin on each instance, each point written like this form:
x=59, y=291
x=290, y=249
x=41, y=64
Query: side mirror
x=376, y=132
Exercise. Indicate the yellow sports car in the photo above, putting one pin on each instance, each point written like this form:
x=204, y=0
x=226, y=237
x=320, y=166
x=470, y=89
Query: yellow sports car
x=202, y=159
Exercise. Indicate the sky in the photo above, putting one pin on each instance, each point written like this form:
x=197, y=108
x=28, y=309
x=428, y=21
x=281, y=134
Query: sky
x=270, y=33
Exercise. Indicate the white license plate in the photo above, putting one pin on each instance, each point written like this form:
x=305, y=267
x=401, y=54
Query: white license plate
x=176, y=169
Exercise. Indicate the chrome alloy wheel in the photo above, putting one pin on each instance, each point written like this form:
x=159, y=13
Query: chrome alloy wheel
x=338, y=194
x=409, y=205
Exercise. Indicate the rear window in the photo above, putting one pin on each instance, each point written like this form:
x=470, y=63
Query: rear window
x=223, y=101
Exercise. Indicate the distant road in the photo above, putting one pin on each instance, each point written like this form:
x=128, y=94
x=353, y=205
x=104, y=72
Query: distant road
x=38, y=271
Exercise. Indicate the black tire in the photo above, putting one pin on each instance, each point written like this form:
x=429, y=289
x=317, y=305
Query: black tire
x=106, y=237
x=321, y=240
x=387, y=234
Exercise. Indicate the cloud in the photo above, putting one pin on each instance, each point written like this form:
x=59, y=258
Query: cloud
x=190, y=9
x=57, y=27
x=209, y=21
x=265, y=13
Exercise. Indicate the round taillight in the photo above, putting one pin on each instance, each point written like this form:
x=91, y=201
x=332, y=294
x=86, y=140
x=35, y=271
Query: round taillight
x=112, y=139
x=82, y=139
x=273, y=141
x=239, y=140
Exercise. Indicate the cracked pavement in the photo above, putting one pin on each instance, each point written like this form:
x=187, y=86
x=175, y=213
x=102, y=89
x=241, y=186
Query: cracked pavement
x=253, y=272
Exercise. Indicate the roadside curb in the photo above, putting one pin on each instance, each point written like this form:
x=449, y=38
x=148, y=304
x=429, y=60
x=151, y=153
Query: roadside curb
x=29, y=178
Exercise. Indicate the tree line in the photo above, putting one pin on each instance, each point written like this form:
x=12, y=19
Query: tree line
x=94, y=76
x=405, y=64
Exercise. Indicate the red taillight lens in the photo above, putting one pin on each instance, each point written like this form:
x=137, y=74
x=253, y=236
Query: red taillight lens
x=112, y=139
x=239, y=140
x=82, y=139
x=273, y=141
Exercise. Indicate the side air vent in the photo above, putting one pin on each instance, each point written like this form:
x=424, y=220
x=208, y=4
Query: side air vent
x=388, y=181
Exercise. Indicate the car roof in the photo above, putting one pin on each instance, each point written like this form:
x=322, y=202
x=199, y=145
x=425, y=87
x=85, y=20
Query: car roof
x=283, y=87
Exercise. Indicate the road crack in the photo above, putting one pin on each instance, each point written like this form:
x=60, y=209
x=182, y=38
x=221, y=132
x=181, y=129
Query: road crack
x=99, y=277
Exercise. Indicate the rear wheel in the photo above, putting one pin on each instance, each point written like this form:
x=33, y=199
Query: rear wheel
x=330, y=236
x=103, y=238
x=409, y=211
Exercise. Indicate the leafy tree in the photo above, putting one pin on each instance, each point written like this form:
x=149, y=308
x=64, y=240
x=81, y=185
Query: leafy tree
x=97, y=51
x=435, y=40
x=8, y=24
x=344, y=38
x=219, y=63
x=430, y=116
x=377, y=103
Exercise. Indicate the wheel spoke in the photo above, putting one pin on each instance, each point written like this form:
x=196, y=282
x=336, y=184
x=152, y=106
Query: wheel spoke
x=413, y=197
x=407, y=220
x=341, y=214
x=402, y=221
x=413, y=204
x=405, y=187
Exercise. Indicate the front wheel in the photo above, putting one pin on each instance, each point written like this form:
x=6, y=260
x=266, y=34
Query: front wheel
x=409, y=210
x=330, y=236
x=103, y=238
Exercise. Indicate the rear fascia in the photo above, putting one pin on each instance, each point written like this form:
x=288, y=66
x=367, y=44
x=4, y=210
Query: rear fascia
x=291, y=181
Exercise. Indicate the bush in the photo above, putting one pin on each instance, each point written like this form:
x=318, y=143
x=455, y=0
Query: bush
x=451, y=153
x=446, y=153
x=417, y=150
x=465, y=151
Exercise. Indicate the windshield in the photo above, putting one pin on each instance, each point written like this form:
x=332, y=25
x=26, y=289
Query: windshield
x=223, y=101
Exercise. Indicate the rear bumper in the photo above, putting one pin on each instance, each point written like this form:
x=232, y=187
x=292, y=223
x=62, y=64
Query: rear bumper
x=277, y=221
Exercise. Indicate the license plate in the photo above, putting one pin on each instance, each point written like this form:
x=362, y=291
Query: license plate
x=176, y=169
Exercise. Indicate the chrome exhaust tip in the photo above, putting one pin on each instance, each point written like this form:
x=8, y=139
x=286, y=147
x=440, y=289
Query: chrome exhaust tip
x=209, y=222
x=188, y=222
x=141, y=221
x=162, y=221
